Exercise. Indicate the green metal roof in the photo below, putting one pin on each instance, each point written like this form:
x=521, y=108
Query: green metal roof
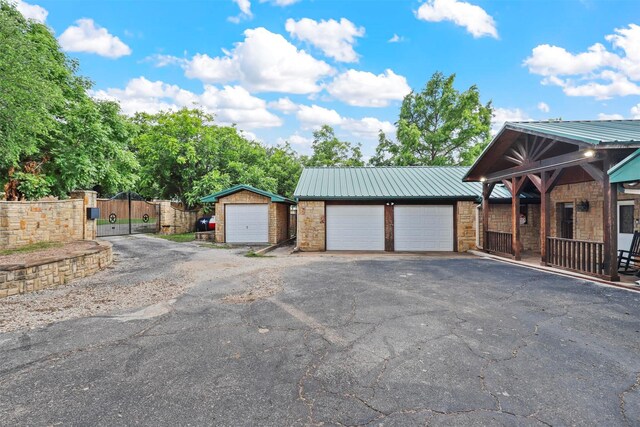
x=212, y=198
x=370, y=183
x=628, y=170
x=595, y=132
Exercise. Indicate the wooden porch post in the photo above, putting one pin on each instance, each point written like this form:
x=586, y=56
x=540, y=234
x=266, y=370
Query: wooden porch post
x=610, y=229
x=486, y=193
x=515, y=219
x=545, y=218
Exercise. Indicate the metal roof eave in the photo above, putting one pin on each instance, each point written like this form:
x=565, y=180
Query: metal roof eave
x=212, y=198
x=628, y=170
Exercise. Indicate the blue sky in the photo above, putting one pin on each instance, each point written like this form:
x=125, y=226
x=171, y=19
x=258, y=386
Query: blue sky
x=280, y=68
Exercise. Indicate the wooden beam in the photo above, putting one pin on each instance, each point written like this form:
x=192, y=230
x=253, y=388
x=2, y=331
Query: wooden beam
x=507, y=185
x=515, y=220
x=519, y=184
x=552, y=180
x=595, y=173
x=564, y=160
x=389, y=244
x=536, y=181
x=610, y=223
x=545, y=216
x=487, y=188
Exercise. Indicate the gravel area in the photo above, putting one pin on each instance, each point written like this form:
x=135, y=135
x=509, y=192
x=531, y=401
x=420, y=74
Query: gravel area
x=54, y=251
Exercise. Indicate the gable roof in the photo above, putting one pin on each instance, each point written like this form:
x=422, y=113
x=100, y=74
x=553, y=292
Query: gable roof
x=212, y=198
x=371, y=183
x=627, y=170
x=595, y=132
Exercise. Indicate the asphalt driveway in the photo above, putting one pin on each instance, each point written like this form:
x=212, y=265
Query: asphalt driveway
x=340, y=340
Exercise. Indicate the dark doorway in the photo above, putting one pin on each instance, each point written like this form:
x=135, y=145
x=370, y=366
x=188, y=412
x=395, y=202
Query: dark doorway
x=565, y=211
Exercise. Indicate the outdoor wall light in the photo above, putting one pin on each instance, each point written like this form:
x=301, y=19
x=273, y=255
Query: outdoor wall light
x=589, y=153
x=483, y=179
x=583, y=206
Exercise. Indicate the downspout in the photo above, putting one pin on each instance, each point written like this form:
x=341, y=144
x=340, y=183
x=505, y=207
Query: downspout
x=478, y=207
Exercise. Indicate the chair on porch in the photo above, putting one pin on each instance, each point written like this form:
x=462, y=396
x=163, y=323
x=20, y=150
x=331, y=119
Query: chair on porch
x=629, y=261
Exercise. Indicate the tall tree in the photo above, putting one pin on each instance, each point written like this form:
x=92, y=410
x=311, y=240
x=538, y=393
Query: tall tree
x=53, y=136
x=437, y=126
x=328, y=150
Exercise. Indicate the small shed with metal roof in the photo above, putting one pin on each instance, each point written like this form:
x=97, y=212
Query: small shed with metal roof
x=388, y=208
x=245, y=214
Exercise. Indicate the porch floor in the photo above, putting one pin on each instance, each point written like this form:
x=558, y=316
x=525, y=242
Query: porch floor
x=532, y=259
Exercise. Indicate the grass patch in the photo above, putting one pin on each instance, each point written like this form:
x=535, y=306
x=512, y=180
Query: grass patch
x=252, y=254
x=31, y=248
x=179, y=238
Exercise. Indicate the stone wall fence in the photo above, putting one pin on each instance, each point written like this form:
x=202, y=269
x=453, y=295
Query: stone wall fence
x=28, y=222
x=174, y=220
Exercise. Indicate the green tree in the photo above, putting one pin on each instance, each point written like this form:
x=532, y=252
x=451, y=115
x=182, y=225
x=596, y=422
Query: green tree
x=185, y=155
x=53, y=136
x=328, y=150
x=437, y=126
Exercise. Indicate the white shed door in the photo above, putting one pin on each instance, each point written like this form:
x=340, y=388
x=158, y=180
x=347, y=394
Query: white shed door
x=247, y=223
x=355, y=227
x=423, y=228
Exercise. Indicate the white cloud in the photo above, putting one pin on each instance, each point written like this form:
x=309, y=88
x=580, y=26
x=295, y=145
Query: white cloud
x=635, y=111
x=364, y=89
x=32, y=11
x=335, y=39
x=88, y=37
x=368, y=127
x=396, y=39
x=502, y=115
x=230, y=104
x=297, y=140
x=544, y=107
x=597, y=72
x=245, y=11
x=160, y=60
x=477, y=22
x=605, y=116
x=263, y=62
x=285, y=105
x=314, y=116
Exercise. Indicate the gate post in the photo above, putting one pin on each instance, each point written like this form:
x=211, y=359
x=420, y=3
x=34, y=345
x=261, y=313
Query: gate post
x=89, y=200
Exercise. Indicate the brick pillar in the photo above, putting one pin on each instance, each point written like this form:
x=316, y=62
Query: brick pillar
x=90, y=200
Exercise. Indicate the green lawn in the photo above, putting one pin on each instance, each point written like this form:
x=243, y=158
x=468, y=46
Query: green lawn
x=180, y=238
x=31, y=248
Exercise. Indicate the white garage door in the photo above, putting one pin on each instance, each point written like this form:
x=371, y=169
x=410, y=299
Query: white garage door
x=247, y=223
x=423, y=228
x=355, y=227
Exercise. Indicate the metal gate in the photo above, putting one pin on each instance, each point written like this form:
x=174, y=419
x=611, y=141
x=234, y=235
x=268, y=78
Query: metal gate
x=127, y=213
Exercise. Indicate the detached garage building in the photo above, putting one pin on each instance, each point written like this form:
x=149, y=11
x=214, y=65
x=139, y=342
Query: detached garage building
x=388, y=209
x=245, y=214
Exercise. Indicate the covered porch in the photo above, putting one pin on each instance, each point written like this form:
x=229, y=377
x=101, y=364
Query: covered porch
x=565, y=211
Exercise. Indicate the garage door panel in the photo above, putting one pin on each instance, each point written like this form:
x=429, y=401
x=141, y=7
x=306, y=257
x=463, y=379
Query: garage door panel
x=423, y=228
x=247, y=223
x=355, y=227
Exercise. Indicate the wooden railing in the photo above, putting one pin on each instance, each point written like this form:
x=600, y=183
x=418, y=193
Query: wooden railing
x=499, y=242
x=578, y=255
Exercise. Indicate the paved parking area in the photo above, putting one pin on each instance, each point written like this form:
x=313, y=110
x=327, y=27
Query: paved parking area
x=339, y=340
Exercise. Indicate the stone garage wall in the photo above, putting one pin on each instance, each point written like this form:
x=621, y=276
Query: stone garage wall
x=45, y=273
x=24, y=223
x=466, y=226
x=311, y=226
x=243, y=196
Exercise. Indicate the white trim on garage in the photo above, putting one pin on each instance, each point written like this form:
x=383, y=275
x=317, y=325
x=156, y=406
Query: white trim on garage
x=246, y=223
x=423, y=227
x=355, y=227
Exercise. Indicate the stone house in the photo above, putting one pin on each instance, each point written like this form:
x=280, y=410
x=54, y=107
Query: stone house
x=585, y=175
x=392, y=209
x=245, y=214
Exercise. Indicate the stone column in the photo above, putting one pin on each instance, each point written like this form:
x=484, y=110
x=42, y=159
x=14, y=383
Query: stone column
x=90, y=200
